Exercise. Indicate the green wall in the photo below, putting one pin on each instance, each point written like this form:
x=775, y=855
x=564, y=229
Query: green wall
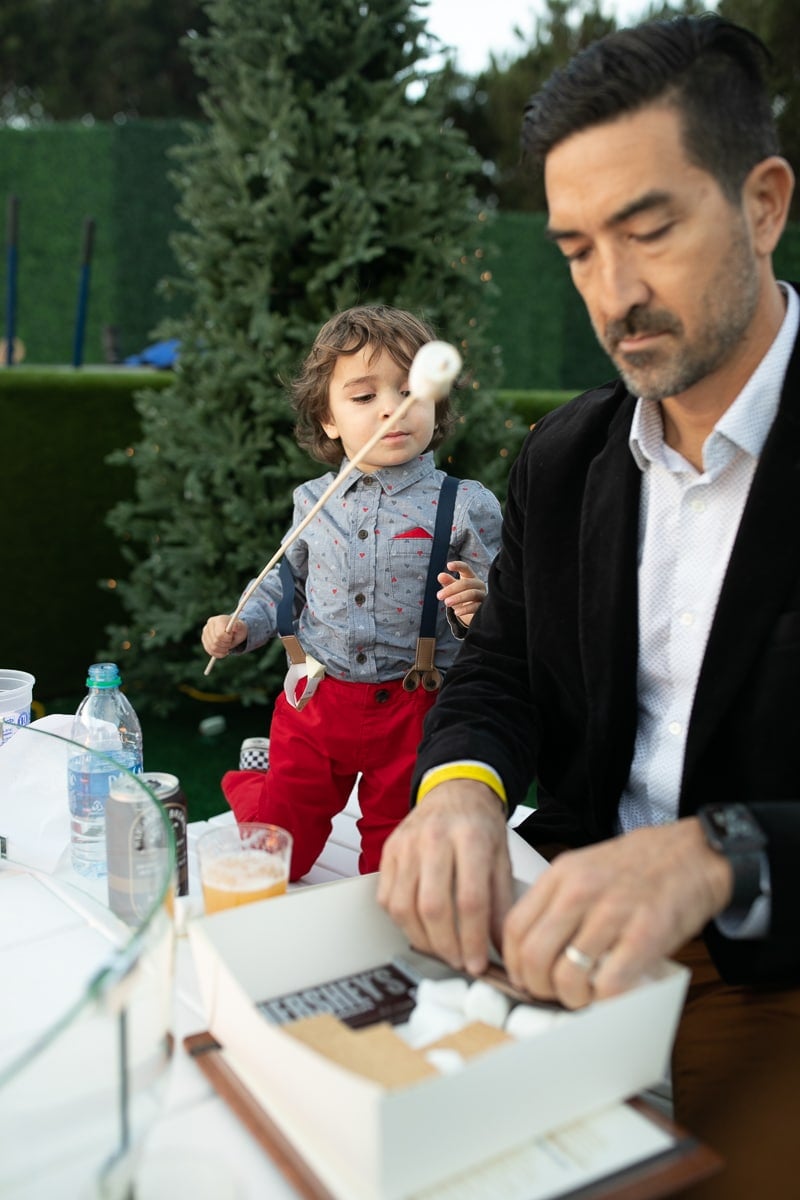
x=62, y=174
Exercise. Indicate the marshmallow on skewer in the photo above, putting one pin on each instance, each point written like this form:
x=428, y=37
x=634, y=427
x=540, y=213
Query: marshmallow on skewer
x=433, y=371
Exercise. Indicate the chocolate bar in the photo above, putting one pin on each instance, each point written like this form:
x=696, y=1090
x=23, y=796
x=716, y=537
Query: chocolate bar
x=383, y=993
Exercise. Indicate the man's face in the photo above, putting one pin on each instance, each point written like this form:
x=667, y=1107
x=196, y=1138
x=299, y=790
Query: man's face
x=662, y=259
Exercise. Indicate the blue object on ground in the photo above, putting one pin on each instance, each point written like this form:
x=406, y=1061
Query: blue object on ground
x=160, y=354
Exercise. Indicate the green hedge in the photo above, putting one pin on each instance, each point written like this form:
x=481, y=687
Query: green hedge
x=57, y=428
x=56, y=554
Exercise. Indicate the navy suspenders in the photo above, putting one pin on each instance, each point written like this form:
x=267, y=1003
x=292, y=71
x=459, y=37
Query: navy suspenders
x=423, y=671
x=285, y=616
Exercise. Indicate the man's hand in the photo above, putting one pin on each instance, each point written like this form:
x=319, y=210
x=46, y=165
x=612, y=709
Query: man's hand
x=622, y=905
x=216, y=641
x=446, y=876
x=464, y=594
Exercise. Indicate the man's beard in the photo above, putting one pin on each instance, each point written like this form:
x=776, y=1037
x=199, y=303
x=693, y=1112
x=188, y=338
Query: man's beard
x=728, y=305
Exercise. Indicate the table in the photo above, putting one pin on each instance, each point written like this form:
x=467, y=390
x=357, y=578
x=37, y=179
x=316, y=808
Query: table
x=197, y=1146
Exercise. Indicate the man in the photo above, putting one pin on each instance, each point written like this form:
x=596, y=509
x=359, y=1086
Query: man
x=639, y=649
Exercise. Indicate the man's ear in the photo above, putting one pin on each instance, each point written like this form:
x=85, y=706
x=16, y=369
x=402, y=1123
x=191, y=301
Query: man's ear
x=766, y=197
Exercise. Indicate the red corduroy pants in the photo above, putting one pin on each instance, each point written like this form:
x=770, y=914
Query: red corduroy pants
x=315, y=757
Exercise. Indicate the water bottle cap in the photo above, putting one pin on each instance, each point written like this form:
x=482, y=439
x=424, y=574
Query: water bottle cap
x=103, y=675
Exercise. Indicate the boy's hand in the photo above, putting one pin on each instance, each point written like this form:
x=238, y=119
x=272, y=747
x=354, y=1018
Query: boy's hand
x=464, y=594
x=216, y=641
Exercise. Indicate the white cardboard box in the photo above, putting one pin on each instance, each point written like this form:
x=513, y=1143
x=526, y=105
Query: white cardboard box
x=368, y=1143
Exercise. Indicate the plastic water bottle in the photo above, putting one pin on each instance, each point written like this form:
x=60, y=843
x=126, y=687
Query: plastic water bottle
x=105, y=721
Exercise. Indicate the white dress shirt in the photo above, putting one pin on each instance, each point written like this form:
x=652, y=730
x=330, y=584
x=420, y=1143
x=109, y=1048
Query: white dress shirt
x=688, y=522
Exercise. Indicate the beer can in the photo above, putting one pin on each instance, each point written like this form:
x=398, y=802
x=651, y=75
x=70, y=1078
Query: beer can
x=167, y=790
x=136, y=850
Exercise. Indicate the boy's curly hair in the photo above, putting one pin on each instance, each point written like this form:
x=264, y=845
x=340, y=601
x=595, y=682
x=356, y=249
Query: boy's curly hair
x=397, y=332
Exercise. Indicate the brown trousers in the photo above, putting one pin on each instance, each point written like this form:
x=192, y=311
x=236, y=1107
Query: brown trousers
x=736, y=1082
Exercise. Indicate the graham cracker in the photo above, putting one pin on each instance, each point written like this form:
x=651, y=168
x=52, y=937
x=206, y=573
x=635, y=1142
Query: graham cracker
x=475, y=1038
x=377, y=1053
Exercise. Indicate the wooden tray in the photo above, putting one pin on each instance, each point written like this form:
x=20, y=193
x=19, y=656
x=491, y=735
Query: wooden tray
x=688, y=1161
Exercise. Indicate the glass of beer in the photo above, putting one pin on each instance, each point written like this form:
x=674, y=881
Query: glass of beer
x=242, y=863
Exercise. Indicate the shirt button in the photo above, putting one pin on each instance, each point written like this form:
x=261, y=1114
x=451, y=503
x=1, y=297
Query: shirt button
x=362, y=534
x=361, y=657
x=675, y=728
x=367, y=478
x=687, y=618
x=381, y=696
x=698, y=506
x=360, y=598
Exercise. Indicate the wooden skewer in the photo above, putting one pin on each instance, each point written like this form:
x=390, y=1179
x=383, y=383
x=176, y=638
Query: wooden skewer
x=336, y=483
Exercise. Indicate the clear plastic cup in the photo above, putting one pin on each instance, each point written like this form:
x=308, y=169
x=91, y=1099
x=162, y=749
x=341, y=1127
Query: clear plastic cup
x=16, y=694
x=243, y=863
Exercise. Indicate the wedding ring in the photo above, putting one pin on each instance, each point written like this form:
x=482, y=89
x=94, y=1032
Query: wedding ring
x=578, y=959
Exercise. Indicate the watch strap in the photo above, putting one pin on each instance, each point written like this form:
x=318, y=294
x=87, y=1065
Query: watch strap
x=746, y=883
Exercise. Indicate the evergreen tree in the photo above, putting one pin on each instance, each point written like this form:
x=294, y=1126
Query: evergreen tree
x=326, y=176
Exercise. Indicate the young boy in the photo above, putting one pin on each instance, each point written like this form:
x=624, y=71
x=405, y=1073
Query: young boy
x=359, y=572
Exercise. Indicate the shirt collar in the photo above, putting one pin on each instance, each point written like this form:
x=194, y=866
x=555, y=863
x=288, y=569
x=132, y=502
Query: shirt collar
x=396, y=479
x=748, y=420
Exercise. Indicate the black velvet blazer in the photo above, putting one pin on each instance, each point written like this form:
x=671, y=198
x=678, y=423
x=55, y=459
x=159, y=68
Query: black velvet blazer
x=544, y=686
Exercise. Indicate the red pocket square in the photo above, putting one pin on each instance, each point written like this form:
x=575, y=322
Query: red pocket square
x=414, y=533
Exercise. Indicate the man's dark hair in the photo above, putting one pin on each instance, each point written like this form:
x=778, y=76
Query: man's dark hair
x=709, y=69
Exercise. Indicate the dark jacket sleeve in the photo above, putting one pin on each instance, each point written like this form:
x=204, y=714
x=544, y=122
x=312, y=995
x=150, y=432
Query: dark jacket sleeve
x=484, y=710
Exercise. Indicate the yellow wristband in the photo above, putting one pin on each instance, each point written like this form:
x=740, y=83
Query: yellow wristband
x=475, y=771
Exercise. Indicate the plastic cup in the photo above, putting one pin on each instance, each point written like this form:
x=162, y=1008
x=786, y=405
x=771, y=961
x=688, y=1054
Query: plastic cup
x=243, y=863
x=16, y=693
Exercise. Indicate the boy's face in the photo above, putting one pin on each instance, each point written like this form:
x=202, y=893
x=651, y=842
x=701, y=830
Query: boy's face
x=364, y=390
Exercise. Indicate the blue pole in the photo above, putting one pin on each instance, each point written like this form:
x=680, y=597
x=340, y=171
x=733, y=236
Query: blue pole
x=83, y=291
x=12, y=231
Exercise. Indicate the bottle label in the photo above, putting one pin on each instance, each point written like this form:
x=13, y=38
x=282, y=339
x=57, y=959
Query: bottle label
x=89, y=778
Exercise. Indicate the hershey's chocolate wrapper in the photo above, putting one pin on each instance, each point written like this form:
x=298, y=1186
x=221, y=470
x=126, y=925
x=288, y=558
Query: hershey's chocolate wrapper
x=383, y=993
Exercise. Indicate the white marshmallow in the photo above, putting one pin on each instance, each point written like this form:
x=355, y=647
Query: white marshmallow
x=433, y=371
x=429, y=1022
x=485, y=1003
x=526, y=1020
x=445, y=1061
x=449, y=993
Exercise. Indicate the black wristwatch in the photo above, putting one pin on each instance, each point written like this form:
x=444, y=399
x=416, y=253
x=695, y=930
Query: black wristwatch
x=732, y=830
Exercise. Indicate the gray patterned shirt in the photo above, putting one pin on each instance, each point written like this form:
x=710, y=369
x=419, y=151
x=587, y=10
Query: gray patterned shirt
x=361, y=564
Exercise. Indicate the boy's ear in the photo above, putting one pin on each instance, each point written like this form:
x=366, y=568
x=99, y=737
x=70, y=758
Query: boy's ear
x=330, y=428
